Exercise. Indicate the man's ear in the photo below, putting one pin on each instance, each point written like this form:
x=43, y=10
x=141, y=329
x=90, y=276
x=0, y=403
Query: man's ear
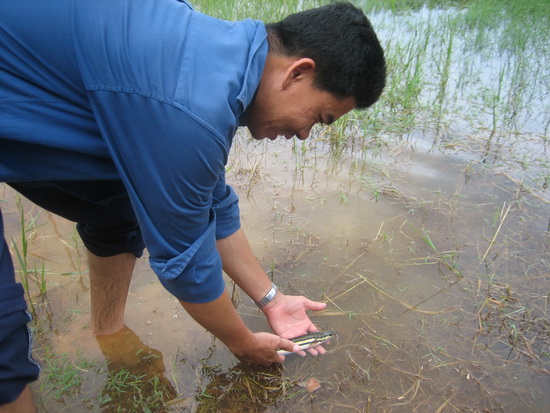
x=299, y=70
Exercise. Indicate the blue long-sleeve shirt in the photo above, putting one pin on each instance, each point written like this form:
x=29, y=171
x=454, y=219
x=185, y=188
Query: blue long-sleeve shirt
x=149, y=92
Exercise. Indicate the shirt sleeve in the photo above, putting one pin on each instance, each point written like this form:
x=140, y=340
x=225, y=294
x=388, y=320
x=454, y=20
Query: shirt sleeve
x=173, y=166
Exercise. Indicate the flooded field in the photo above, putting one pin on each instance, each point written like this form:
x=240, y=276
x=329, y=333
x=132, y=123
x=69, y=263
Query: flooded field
x=423, y=223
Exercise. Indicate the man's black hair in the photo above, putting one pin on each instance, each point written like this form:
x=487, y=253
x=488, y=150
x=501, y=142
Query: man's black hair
x=340, y=39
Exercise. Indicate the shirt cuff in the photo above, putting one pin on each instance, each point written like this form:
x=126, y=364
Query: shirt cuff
x=194, y=276
x=228, y=219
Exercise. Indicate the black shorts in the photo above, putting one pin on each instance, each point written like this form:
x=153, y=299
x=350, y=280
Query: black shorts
x=102, y=210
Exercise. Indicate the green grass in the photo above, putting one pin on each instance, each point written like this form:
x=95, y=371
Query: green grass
x=517, y=19
x=29, y=276
x=63, y=377
x=446, y=259
x=249, y=9
x=126, y=391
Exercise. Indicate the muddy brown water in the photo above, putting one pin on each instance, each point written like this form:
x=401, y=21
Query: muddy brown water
x=435, y=273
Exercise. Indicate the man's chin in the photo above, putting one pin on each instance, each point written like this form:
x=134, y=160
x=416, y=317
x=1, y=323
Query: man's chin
x=256, y=135
x=262, y=137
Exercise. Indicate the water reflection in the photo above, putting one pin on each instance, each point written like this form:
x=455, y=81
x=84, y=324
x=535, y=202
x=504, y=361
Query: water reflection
x=136, y=378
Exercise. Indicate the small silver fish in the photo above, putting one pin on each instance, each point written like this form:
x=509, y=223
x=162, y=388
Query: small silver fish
x=310, y=340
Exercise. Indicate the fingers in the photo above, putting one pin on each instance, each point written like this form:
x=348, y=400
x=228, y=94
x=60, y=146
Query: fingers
x=314, y=305
x=315, y=351
x=288, y=345
x=264, y=352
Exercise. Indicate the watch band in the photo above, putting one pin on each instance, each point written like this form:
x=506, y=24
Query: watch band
x=268, y=297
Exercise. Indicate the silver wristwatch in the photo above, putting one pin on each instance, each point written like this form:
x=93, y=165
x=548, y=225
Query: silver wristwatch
x=268, y=297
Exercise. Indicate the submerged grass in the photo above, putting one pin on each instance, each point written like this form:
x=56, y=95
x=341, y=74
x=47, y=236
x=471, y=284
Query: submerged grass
x=248, y=387
x=126, y=391
x=63, y=376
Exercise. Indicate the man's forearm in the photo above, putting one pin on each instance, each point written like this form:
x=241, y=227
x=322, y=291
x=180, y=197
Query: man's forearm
x=221, y=319
x=286, y=314
x=242, y=266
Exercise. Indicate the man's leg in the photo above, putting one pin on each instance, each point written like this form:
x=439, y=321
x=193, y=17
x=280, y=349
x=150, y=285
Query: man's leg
x=23, y=404
x=109, y=284
x=109, y=229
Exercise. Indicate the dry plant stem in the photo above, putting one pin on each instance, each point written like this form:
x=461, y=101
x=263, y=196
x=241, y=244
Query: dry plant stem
x=333, y=303
x=432, y=296
x=497, y=231
x=531, y=192
x=350, y=264
x=345, y=292
x=447, y=401
x=415, y=386
x=408, y=306
x=357, y=365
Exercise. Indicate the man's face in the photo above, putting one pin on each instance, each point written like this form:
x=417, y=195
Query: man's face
x=287, y=104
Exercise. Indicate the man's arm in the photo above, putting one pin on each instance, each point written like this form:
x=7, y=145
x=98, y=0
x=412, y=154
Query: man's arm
x=286, y=314
x=241, y=265
x=221, y=319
